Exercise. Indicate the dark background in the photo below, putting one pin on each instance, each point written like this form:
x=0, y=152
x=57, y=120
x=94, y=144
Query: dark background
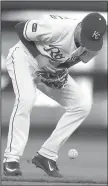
x=55, y=5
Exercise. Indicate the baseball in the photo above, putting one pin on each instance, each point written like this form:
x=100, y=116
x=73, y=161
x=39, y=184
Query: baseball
x=72, y=153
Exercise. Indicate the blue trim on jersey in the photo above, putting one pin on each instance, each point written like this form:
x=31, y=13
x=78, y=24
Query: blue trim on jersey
x=30, y=45
x=18, y=99
x=26, y=31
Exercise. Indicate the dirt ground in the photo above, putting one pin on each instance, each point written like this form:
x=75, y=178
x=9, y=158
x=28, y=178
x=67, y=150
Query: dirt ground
x=89, y=167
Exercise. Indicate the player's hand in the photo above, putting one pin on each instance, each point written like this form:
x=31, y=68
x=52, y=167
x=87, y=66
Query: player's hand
x=44, y=64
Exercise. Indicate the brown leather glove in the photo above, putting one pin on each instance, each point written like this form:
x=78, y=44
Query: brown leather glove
x=54, y=80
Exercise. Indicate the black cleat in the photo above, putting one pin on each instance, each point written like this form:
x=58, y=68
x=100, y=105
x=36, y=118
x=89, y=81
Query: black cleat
x=48, y=165
x=11, y=169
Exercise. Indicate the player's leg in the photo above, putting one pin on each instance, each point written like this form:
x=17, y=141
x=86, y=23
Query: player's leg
x=24, y=89
x=77, y=106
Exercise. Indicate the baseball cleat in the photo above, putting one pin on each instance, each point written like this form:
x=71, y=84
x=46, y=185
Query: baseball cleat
x=11, y=169
x=48, y=165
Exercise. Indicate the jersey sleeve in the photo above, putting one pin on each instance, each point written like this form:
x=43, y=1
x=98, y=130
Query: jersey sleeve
x=46, y=28
x=37, y=30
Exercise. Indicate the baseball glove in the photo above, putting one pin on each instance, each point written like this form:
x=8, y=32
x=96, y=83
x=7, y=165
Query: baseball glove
x=54, y=80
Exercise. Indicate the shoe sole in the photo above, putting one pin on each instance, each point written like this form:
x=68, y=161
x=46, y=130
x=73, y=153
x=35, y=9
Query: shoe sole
x=37, y=164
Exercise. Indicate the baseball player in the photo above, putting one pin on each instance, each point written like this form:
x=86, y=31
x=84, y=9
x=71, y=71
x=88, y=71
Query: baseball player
x=41, y=59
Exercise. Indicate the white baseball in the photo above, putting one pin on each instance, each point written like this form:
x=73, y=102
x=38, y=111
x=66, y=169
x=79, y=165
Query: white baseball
x=72, y=153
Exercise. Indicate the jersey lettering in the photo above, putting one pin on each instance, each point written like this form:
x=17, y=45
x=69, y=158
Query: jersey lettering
x=54, y=52
x=58, y=17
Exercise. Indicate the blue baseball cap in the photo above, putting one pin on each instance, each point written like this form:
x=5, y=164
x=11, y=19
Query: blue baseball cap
x=93, y=27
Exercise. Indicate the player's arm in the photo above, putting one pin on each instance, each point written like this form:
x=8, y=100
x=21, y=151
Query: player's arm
x=30, y=45
x=69, y=63
x=81, y=54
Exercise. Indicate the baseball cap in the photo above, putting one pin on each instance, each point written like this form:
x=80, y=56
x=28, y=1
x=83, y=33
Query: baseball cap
x=93, y=27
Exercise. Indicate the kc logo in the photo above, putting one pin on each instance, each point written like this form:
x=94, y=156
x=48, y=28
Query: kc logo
x=96, y=35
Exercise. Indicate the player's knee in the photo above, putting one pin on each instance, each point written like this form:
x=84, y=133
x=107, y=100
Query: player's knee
x=86, y=107
x=27, y=100
x=30, y=99
x=82, y=106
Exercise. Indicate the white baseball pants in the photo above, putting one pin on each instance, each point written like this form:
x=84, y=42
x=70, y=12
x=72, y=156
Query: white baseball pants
x=22, y=67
